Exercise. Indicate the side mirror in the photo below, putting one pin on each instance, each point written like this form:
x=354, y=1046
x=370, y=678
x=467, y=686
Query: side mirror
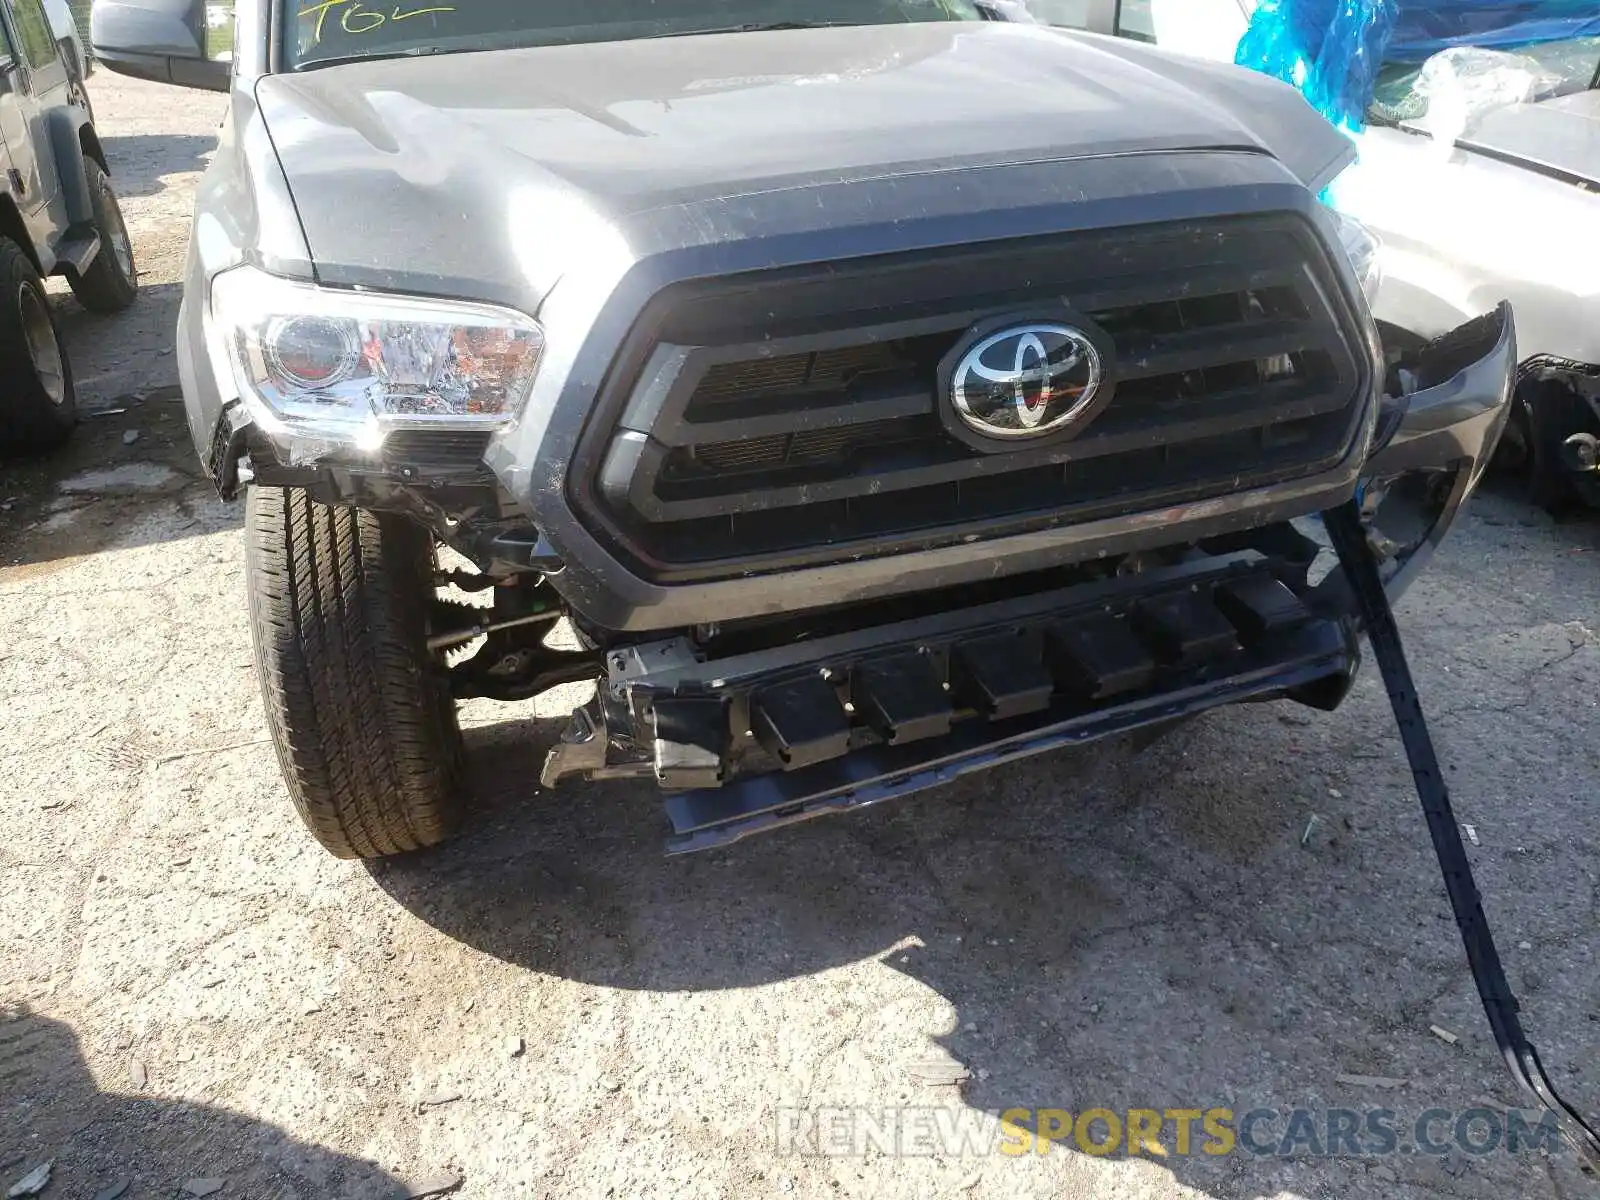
x=186, y=42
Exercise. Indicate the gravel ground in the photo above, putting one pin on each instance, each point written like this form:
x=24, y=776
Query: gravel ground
x=192, y=990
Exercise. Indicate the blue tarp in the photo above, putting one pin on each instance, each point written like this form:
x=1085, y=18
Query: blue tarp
x=1331, y=49
x=1428, y=26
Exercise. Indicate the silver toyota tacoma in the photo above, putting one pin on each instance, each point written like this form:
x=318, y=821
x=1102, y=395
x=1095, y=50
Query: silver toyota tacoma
x=858, y=392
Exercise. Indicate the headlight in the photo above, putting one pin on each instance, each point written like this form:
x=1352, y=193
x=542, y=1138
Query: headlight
x=345, y=367
x=1362, y=247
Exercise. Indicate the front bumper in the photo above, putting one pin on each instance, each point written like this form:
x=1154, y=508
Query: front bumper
x=1435, y=443
x=806, y=725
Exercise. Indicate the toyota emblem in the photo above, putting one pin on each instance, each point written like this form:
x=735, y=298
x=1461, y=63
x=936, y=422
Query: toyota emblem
x=1027, y=381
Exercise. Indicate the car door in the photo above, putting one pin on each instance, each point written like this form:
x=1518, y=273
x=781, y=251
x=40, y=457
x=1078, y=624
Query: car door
x=22, y=172
x=36, y=81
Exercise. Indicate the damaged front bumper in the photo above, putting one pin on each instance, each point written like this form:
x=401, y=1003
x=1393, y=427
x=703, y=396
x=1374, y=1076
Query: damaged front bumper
x=800, y=724
x=1435, y=442
x=758, y=740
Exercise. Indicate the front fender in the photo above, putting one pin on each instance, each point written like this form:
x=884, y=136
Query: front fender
x=244, y=213
x=65, y=122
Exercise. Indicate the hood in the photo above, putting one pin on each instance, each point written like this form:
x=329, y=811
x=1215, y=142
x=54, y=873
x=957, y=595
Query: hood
x=1559, y=137
x=412, y=165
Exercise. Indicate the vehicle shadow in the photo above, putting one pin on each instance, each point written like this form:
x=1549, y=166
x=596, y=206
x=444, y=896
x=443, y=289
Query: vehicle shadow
x=1112, y=929
x=1504, y=495
x=51, y=1108
x=140, y=162
x=129, y=352
x=128, y=475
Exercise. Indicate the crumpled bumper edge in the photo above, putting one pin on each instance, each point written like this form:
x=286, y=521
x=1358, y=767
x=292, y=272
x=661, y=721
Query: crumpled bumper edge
x=1434, y=444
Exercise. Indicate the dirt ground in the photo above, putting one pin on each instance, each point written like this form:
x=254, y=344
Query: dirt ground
x=192, y=990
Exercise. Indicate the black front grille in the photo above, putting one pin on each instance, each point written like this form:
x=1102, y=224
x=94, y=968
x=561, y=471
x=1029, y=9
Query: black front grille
x=798, y=417
x=432, y=451
x=728, y=389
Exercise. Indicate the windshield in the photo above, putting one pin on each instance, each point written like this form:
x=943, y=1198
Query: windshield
x=1535, y=72
x=325, y=30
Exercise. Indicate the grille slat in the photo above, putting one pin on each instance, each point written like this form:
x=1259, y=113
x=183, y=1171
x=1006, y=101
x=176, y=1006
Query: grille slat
x=434, y=449
x=1231, y=366
x=812, y=411
x=1214, y=346
x=813, y=371
x=684, y=497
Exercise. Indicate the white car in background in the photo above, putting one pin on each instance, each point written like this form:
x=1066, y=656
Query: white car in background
x=1510, y=211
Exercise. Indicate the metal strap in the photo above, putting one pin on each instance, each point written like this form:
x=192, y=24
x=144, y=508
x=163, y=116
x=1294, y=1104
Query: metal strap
x=1499, y=1005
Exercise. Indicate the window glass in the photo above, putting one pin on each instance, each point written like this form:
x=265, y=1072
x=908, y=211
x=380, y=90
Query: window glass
x=1134, y=21
x=1072, y=13
x=33, y=31
x=318, y=30
x=219, y=30
x=1558, y=69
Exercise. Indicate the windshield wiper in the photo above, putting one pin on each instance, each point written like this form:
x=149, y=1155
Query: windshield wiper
x=339, y=60
x=750, y=27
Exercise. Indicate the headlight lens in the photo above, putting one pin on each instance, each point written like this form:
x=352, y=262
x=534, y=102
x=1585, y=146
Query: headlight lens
x=347, y=366
x=1363, y=248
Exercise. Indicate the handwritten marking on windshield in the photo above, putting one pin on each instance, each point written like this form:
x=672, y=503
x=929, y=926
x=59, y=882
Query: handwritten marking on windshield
x=358, y=18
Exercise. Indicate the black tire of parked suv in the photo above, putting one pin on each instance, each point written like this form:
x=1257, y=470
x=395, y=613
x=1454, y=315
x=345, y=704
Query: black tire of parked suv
x=38, y=406
x=112, y=280
x=362, y=718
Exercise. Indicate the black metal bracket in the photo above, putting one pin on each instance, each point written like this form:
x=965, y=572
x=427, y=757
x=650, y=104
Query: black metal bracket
x=532, y=671
x=229, y=447
x=1499, y=1004
x=512, y=663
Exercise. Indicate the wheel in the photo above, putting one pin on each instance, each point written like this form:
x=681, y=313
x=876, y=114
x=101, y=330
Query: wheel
x=1545, y=416
x=112, y=280
x=360, y=714
x=38, y=406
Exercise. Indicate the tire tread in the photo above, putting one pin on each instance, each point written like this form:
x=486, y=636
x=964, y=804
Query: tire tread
x=363, y=723
x=29, y=422
x=103, y=288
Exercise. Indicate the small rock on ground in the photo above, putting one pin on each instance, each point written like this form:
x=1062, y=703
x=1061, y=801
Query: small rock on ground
x=434, y=1185
x=34, y=1182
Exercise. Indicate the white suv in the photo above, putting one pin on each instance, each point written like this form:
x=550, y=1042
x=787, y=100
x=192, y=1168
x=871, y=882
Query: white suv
x=1510, y=211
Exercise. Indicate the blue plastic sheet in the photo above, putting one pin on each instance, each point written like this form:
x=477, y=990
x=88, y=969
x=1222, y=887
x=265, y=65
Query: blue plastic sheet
x=1331, y=49
x=1426, y=27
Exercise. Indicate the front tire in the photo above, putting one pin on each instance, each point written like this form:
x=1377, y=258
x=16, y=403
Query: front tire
x=38, y=404
x=360, y=714
x=112, y=280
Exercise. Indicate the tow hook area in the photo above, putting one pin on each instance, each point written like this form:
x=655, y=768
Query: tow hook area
x=1351, y=542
